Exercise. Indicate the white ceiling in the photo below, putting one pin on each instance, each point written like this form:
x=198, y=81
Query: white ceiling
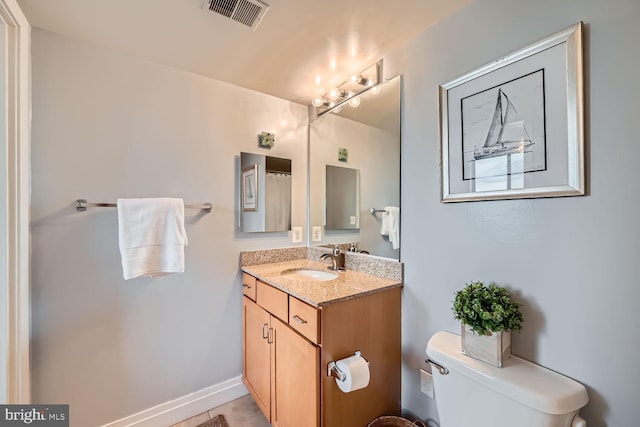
x=290, y=54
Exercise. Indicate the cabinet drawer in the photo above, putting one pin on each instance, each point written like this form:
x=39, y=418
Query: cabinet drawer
x=249, y=286
x=273, y=300
x=304, y=319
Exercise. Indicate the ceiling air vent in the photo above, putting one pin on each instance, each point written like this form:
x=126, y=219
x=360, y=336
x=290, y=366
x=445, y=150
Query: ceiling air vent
x=247, y=12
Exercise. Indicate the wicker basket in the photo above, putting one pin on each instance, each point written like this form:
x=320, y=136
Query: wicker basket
x=390, y=421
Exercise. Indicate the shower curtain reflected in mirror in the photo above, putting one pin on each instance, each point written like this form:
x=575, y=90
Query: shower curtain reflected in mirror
x=278, y=201
x=271, y=208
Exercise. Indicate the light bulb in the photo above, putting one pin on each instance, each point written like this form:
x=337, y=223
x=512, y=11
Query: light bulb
x=375, y=89
x=337, y=109
x=357, y=78
x=354, y=102
x=317, y=101
x=333, y=94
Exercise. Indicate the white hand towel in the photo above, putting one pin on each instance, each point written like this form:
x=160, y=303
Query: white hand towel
x=393, y=213
x=152, y=236
x=384, y=227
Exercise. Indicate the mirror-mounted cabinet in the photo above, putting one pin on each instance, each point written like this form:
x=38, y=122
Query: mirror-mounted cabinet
x=265, y=193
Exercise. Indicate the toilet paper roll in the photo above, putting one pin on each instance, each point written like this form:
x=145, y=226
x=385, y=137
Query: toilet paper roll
x=356, y=370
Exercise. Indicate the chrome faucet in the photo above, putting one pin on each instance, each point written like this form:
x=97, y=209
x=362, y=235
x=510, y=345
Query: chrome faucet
x=354, y=248
x=337, y=259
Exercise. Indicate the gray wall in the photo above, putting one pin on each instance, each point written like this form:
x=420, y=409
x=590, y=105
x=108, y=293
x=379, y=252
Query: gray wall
x=106, y=126
x=573, y=261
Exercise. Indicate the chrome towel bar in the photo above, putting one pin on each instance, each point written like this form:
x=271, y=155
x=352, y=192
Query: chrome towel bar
x=374, y=211
x=82, y=205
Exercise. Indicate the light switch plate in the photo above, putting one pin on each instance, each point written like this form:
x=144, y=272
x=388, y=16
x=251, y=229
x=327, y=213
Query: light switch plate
x=352, y=220
x=316, y=234
x=296, y=234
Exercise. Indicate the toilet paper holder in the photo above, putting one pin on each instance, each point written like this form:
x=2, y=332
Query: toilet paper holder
x=334, y=371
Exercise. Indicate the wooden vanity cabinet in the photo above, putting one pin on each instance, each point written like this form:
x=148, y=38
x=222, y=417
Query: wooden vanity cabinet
x=257, y=353
x=280, y=369
x=370, y=324
x=289, y=343
x=294, y=378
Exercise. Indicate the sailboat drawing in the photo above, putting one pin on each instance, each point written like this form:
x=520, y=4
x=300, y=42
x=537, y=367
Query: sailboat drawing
x=507, y=133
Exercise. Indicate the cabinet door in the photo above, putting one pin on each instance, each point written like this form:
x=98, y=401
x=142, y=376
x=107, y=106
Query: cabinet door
x=256, y=354
x=294, y=375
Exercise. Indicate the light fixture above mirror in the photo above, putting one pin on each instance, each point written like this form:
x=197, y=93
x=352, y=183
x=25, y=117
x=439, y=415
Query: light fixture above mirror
x=349, y=91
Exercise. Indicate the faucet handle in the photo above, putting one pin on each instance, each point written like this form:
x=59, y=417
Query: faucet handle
x=336, y=250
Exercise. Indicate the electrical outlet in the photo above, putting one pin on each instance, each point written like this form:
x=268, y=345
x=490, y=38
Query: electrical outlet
x=296, y=234
x=426, y=383
x=316, y=234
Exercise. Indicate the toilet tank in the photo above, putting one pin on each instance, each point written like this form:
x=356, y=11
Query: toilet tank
x=520, y=393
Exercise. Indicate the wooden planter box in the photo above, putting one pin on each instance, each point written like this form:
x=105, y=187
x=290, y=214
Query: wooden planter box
x=493, y=349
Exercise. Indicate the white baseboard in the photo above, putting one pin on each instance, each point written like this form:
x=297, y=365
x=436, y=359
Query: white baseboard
x=169, y=413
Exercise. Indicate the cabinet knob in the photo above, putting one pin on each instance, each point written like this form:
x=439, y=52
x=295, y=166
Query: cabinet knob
x=244, y=285
x=265, y=332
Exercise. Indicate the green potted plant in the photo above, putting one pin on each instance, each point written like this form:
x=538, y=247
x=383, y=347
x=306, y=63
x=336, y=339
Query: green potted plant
x=488, y=314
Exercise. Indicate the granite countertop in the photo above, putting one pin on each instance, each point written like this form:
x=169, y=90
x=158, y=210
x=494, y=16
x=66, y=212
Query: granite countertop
x=349, y=284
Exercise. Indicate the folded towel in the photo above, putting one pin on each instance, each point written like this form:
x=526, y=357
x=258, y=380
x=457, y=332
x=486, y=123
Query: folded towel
x=384, y=227
x=393, y=219
x=152, y=236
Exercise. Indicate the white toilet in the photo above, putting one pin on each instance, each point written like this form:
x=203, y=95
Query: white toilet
x=471, y=393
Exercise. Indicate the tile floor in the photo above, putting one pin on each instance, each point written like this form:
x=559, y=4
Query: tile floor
x=242, y=412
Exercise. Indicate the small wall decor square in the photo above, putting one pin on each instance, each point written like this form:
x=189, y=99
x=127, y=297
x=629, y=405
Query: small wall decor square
x=266, y=139
x=343, y=154
x=514, y=128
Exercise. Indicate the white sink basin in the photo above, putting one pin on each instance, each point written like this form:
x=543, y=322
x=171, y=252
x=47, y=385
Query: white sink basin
x=309, y=274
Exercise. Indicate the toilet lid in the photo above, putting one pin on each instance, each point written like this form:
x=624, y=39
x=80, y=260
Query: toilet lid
x=530, y=384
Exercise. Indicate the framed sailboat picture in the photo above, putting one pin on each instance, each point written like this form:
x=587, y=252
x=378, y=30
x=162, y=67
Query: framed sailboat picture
x=514, y=128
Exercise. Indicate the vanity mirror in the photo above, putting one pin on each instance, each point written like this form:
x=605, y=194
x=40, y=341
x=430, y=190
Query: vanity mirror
x=265, y=193
x=370, y=134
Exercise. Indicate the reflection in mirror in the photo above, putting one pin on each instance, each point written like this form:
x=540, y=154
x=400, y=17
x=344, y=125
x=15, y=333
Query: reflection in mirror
x=371, y=135
x=265, y=193
x=342, y=208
